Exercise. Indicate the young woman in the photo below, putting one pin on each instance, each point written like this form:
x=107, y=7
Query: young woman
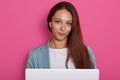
x=66, y=49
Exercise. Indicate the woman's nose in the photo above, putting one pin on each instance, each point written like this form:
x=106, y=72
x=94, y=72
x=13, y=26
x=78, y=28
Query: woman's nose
x=63, y=27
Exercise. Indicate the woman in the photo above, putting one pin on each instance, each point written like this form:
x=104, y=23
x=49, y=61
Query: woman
x=66, y=49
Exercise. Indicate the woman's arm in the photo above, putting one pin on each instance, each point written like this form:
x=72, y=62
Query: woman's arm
x=92, y=57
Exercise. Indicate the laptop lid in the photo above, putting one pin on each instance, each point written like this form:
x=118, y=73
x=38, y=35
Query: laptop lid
x=61, y=74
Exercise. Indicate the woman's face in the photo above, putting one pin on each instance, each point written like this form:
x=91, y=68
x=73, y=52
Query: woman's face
x=61, y=24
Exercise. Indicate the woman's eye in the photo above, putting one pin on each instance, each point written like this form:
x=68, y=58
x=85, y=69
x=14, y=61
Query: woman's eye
x=70, y=24
x=57, y=21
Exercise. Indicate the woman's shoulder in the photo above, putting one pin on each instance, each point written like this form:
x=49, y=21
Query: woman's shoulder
x=39, y=49
x=37, y=54
x=89, y=50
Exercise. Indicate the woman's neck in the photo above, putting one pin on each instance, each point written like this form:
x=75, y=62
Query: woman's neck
x=58, y=44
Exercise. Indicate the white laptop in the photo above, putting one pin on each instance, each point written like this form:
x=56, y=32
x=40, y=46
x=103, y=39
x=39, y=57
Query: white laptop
x=61, y=74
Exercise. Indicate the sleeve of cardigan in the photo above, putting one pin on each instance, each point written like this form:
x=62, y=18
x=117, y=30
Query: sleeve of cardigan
x=30, y=62
x=92, y=57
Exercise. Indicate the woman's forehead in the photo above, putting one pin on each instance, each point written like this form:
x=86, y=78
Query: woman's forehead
x=62, y=14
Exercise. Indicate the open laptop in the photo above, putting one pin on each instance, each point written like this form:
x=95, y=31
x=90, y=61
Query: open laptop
x=61, y=74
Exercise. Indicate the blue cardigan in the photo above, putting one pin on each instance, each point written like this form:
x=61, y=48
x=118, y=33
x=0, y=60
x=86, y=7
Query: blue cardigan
x=39, y=57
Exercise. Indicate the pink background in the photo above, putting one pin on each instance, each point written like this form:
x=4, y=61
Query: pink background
x=23, y=27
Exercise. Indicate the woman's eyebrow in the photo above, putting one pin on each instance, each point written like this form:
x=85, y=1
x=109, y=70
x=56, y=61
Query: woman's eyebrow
x=61, y=19
x=57, y=18
x=69, y=20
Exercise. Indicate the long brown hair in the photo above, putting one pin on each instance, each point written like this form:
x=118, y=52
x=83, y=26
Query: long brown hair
x=77, y=50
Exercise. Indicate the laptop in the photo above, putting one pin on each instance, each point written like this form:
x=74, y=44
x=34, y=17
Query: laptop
x=62, y=74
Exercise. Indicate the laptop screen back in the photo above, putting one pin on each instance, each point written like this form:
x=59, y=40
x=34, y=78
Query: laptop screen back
x=61, y=74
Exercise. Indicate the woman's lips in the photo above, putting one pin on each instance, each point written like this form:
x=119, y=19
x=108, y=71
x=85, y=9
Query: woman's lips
x=61, y=34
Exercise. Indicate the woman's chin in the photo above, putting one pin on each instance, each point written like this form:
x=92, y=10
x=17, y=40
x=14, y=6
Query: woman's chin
x=61, y=38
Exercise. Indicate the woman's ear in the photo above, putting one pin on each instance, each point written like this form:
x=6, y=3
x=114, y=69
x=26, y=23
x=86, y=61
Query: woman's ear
x=50, y=24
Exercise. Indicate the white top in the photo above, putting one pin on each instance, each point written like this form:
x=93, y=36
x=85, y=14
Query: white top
x=58, y=59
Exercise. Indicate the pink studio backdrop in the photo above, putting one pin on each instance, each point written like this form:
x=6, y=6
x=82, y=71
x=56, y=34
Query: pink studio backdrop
x=23, y=27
